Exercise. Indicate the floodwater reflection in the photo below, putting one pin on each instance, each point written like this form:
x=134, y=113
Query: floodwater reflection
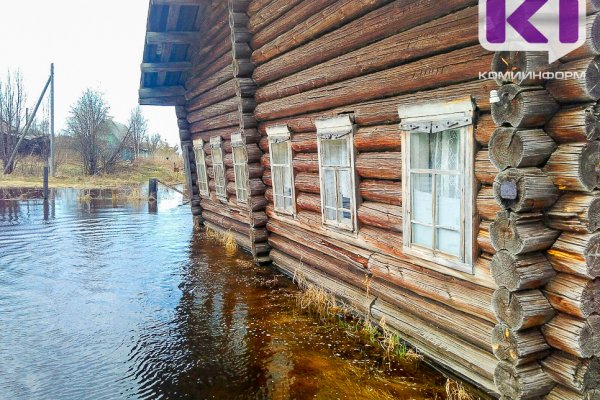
x=105, y=300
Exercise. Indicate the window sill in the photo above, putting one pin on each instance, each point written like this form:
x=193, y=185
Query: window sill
x=440, y=261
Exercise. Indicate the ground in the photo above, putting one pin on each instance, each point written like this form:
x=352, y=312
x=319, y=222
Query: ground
x=29, y=174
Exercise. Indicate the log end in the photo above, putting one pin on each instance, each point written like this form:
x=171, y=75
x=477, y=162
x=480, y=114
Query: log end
x=590, y=164
x=592, y=78
x=592, y=120
x=592, y=256
x=524, y=382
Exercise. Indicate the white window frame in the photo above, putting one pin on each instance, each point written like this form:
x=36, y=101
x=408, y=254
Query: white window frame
x=201, y=168
x=439, y=117
x=240, y=167
x=333, y=129
x=277, y=135
x=216, y=145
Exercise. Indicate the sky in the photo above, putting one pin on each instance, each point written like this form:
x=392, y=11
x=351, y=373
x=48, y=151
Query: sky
x=93, y=44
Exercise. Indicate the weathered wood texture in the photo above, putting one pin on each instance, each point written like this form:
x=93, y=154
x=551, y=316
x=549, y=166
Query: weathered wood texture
x=521, y=233
x=529, y=271
x=518, y=348
x=577, y=254
x=576, y=212
x=573, y=372
x=575, y=166
x=576, y=123
x=575, y=336
x=510, y=147
x=523, y=107
x=534, y=190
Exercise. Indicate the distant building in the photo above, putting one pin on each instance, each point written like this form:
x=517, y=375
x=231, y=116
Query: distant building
x=33, y=144
x=114, y=133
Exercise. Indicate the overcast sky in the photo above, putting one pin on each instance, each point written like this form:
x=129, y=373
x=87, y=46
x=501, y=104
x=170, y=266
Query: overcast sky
x=93, y=44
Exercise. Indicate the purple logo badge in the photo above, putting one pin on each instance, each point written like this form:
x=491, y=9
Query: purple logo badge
x=555, y=26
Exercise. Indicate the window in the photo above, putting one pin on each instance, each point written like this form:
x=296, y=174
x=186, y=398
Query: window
x=240, y=168
x=438, y=182
x=201, y=168
x=216, y=151
x=280, y=150
x=336, y=168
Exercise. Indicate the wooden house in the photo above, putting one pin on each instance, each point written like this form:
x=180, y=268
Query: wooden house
x=355, y=143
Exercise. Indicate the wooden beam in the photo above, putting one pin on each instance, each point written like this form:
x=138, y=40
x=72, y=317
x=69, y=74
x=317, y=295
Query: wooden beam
x=162, y=101
x=172, y=37
x=165, y=91
x=182, y=66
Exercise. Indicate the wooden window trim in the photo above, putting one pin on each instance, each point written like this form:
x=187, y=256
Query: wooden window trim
x=240, y=166
x=282, y=134
x=439, y=117
x=216, y=145
x=339, y=127
x=201, y=169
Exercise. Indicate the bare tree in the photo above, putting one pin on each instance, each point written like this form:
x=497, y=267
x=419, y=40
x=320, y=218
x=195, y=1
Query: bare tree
x=12, y=116
x=88, y=116
x=154, y=142
x=138, y=128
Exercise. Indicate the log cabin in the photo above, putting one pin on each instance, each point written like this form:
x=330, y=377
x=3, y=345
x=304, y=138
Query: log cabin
x=355, y=143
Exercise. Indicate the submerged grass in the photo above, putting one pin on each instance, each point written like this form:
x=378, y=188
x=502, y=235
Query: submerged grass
x=324, y=305
x=226, y=238
x=457, y=391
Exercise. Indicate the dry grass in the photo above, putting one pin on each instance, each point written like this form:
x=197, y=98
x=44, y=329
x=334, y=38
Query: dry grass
x=226, y=238
x=456, y=391
x=29, y=172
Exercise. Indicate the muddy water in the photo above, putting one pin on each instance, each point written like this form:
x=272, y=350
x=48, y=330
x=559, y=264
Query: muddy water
x=107, y=300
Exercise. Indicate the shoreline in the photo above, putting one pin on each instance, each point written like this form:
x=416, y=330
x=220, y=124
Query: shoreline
x=24, y=183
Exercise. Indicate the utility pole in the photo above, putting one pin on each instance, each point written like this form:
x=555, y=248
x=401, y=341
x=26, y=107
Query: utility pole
x=52, y=155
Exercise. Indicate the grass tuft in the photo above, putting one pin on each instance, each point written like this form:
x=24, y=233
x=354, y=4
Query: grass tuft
x=456, y=391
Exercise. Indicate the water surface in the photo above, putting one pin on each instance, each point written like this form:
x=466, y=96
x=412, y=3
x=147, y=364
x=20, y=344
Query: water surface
x=109, y=300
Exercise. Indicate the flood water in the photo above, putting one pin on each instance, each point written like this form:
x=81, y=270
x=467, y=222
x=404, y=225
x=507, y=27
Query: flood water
x=109, y=300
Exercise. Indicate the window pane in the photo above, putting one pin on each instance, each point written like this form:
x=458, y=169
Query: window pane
x=422, y=235
x=344, y=189
x=448, y=199
x=239, y=155
x=445, y=150
x=330, y=189
x=280, y=153
x=419, y=152
x=217, y=156
x=422, y=198
x=335, y=152
x=330, y=214
x=448, y=241
x=288, y=203
x=278, y=201
x=287, y=181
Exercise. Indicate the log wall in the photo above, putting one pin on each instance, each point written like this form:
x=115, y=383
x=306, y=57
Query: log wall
x=382, y=55
x=546, y=148
x=525, y=323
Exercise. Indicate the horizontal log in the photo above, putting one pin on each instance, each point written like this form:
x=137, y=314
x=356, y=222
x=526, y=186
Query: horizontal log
x=573, y=372
x=385, y=110
x=449, y=68
x=201, y=84
x=521, y=233
x=521, y=310
x=270, y=13
x=529, y=271
x=285, y=22
x=524, y=190
x=315, y=25
x=378, y=215
x=347, y=53
x=575, y=166
x=224, y=107
x=242, y=240
x=575, y=336
x=224, y=91
x=574, y=295
x=385, y=165
x=525, y=62
x=459, y=294
x=309, y=202
x=576, y=123
x=230, y=224
x=308, y=182
x=577, y=90
x=487, y=207
x=254, y=6
x=563, y=393
x=522, y=382
x=519, y=348
x=388, y=192
x=378, y=138
x=306, y=162
x=523, y=107
x=576, y=212
x=592, y=43
x=305, y=142
x=485, y=171
x=228, y=120
x=510, y=147
x=577, y=254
